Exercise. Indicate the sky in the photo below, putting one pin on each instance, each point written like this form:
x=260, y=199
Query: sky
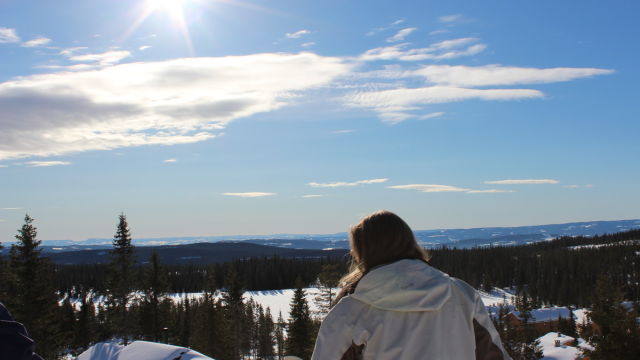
x=222, y=117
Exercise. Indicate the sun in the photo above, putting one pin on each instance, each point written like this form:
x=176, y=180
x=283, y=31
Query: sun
x=172, y=7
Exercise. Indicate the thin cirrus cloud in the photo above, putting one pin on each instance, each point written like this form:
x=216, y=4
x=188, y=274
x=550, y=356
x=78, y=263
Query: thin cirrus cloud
x=401, y=35
x=8, y=35
x=522, y=182
x=346, y=184
x=298, y=34
x=446, y=83
x=442, y=50
x=150, y=103
x=308, y=196
x=395, y=105
x=39, y=41
x=491, y=75
x=249, y=194
x=172, y=160
x=105, y=58
x=47, y=163
x=437, y=188
x=451, y=18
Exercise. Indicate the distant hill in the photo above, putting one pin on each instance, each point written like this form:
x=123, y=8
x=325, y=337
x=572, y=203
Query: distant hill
x=461, y=238
x=201, y=253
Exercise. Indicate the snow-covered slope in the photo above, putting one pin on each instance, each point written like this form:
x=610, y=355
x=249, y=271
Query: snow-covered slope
x=139, y=350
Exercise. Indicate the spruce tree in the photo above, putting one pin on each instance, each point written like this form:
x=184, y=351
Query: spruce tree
x=84, y=333
x=529, y=345
x=34, y=301
x=155, y=289
x=120, y=280
x=233, y=311
x=299, y=340
x=279, y=337
x=616, y=333
x=327, y=281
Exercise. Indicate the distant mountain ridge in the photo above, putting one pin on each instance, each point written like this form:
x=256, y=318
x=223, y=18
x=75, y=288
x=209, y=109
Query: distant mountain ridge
x=486, y=236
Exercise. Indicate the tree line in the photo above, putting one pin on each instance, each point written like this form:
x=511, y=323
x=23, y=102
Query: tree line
x=63, y=309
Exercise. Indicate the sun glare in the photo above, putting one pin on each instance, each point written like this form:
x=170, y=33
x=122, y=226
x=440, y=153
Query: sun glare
x=171, y=7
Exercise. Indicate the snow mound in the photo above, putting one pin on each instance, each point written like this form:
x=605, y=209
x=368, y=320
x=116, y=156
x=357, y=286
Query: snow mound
x=563, y=352
x=139, y=350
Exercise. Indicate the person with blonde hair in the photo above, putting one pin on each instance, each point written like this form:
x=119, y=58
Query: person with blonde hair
x=393, y=305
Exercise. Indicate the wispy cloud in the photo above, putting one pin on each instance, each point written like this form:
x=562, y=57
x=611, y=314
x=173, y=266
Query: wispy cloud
x=430, y=116
x=384, y=28
x=578, y=186
x=489, y=191
x=169, y=160
x=443, y=50
x=12, y=208
x=395, y=105
x=105, y=58
x=451, y=18
x=345, y=184
x=298, y=34
x=8, y=35
x=401, y=35
x=151, y=103
x=312, y=196
x=46, y=163
x=3, y=166
x=345, y=131
x=436, y=188
x=429, y=188
x=522, y=182
x=491, y=75
x=308, y=44
x=249, y=194
x=72, y=50
x=144, y=47
x=39, y=41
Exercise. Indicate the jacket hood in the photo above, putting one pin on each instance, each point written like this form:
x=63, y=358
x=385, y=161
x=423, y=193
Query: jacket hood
x=405, y=285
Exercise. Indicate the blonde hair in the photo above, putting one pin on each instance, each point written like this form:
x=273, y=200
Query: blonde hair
x=379, y=238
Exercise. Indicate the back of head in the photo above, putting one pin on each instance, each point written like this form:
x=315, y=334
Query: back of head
x=379, y=238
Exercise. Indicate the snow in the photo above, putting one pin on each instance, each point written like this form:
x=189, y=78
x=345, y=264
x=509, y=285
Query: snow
x=547, y=313
x=562, y=352
x=139, y=350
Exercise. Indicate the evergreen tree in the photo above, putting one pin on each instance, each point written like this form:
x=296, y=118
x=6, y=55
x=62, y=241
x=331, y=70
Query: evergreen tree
x=233, y=311
x=121, y=280
x=327, y=282
x=33, y=300
x=266, y=339
x=616, y=332
x=84, y=333
x=155, y=289
x=529, y=347
x=279, y=337
x=299, y=340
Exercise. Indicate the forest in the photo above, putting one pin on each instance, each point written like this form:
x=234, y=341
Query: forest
x=59, y=303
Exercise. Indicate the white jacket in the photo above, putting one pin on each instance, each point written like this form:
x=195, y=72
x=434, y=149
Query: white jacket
x=409, y=310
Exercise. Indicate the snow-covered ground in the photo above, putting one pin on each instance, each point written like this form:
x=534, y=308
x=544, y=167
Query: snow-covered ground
x=568, y=349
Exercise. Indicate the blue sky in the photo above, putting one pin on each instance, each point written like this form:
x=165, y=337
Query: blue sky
x=201, y=117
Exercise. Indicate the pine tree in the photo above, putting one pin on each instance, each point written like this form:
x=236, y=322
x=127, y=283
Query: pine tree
x=233, y=310
x=529, y=345
x=327, y=281
x=616, y=332
x=266, y=339
x=300, y=341
x=155, y=288
x=84, y=333
x=279, y=337
x=34, y=301
x=120, y=280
